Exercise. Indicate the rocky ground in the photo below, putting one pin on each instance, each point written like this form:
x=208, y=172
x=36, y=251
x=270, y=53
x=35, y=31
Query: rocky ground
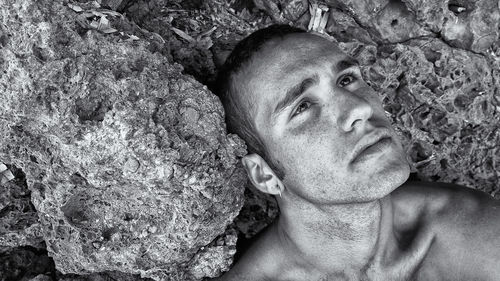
x=114, y=159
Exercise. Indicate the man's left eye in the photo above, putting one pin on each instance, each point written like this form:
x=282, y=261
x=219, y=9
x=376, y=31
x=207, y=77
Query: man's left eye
x=347, y=79
x=303, y=106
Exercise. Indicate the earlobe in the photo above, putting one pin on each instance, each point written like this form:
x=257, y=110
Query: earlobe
x=261, y=175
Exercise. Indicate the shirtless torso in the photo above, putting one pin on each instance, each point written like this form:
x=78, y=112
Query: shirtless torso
x=439, y=232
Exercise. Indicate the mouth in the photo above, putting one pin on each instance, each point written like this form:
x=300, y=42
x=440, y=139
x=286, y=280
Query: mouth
x=373, y=143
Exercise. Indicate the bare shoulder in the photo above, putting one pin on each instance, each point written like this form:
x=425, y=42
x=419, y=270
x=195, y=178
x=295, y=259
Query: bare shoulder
x=255, y=262
x=414, y=202
x=454, y=212
x=443, y=199
x=464, y=223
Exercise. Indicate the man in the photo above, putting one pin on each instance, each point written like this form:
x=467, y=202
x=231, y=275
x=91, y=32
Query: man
x=320, y=143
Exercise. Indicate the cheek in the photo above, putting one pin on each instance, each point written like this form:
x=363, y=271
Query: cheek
x=311, y=147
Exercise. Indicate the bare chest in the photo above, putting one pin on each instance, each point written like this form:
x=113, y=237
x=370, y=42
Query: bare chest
x=386, y=265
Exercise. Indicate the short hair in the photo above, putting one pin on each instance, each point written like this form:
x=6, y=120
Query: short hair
x=238, y=118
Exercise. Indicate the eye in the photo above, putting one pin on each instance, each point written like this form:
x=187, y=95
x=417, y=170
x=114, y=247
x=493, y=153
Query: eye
x=304, y=105
x=347, y=79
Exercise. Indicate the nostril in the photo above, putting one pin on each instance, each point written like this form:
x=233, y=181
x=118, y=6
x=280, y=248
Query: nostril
x=358, y=117
x=357, y=122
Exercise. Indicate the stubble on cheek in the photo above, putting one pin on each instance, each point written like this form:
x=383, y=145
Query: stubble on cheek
x=315, y=147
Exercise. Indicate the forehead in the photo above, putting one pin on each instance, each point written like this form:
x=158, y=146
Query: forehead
x=282, y=62
x=283, y=56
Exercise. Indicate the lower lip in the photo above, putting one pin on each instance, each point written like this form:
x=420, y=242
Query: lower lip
x=374, y=149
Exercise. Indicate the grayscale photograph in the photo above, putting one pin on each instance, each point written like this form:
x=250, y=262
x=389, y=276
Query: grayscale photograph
x=249, y=140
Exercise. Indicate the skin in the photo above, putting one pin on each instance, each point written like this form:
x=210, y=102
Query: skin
x=344, y=217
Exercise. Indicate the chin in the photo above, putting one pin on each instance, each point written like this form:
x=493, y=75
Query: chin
x=391, y=177
x=395, y=178
x=384, y=179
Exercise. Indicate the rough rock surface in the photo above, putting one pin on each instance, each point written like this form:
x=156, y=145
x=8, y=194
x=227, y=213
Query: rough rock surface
x=471, y=25
x=195, y=30
x=18, y=218
x=128, y=162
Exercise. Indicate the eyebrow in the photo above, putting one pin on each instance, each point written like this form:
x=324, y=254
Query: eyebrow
x=345, y=64
x=295, y=92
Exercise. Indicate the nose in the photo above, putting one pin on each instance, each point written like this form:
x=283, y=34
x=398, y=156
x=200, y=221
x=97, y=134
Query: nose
x=355, y=111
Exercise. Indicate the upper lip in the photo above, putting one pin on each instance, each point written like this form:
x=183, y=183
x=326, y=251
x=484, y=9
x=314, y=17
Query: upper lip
x=369, y=140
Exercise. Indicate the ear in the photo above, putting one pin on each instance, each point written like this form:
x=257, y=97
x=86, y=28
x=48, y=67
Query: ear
x=261, y=175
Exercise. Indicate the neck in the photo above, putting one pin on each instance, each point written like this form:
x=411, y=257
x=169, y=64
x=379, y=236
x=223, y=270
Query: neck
x=324, y=236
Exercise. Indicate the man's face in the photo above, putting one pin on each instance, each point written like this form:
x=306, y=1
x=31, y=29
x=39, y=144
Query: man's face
x=313, y=110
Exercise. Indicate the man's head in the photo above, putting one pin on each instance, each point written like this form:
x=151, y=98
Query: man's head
x=306, y=110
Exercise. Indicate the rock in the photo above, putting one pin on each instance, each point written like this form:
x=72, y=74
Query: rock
x=115, y=5
x=283, y=10
x=395, y=24
x=471, y=25
x=259, y=210
x=386, y=21
x=271, y=8
x=194, y=55
x=345, y=29
x=103, y=276
x=128, y=162
x=25, y=263
x=203, y=24
x=18, y=218
x=211, y=261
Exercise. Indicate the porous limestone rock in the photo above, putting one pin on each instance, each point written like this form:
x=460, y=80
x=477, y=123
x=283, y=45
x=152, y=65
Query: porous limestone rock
x=128, y=161
x=386, y=21
x=471, y=25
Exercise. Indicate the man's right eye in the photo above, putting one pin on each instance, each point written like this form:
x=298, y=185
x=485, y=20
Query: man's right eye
x=347, y=79
x=303, y=105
